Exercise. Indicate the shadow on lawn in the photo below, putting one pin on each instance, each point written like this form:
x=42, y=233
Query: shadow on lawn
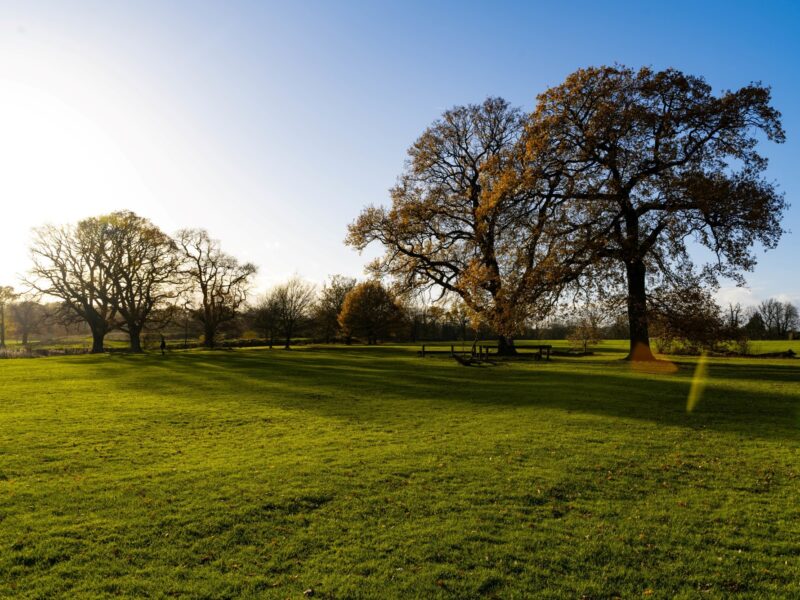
x=344, y=383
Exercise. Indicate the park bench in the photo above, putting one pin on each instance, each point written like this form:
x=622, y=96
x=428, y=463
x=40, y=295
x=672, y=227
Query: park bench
x=542, y=350
x=482, y=351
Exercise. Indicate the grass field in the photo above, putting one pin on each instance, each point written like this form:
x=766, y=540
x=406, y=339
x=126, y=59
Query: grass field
x=373, y=473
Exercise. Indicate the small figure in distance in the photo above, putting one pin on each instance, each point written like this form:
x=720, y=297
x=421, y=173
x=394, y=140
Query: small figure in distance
x=163, y=344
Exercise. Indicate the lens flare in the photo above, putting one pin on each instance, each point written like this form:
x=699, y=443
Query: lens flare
x=698, y=383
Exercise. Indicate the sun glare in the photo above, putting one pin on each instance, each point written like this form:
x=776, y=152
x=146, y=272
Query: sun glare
x=699, y=382
x=67, y=152
x=56, y=159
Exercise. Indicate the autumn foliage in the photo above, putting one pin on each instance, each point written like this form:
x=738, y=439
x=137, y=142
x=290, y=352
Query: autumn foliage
x=370, y=312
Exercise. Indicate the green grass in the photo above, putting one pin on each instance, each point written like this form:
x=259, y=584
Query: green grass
x=619, y=347
x=373, y=473
x=116, y=340
x=761, y=346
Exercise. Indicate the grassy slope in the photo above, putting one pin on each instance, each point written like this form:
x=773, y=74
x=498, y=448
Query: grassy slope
x=372, y=473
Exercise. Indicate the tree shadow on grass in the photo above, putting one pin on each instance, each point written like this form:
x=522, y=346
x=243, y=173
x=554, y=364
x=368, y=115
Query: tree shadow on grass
x=360, y=383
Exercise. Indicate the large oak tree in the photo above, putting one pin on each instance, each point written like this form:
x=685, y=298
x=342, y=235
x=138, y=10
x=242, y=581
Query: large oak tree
x=474, y=217
x=141, y=262
x=652, y=161
x=69, y=264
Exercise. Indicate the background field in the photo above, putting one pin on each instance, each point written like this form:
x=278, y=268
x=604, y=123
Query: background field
x=119, y=341
x=373, y=473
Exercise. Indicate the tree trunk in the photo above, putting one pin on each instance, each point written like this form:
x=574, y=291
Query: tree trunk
x=2, y=327
x=505, y=346
x=25, y=337
x=135, y=334
x=97, y=340
x=208, y=335
x=637, y=312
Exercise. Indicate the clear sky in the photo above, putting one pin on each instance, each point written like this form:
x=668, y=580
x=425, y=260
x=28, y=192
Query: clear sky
x=273, y=124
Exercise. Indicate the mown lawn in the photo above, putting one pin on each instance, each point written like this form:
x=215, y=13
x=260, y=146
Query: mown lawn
x=373, y=473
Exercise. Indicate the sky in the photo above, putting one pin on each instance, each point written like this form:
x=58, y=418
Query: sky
x=273, y=124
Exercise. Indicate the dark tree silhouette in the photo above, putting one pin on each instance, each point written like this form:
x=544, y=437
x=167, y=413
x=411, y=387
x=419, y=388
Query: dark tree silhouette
x=329, y=305
x=219, y=280
x=292, y=301
x=27, y=315
x=7, y=296
x=141, y=262
x=652, y=159
x=778, y=318
x=267, y=316
x=69, y=264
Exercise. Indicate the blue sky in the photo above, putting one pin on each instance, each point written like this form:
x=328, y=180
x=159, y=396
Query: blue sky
x=273, y=124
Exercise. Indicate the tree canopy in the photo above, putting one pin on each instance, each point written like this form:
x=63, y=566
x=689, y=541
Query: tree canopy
x=474, y=217
x=653, y=160
x=69, y=263
x=217, y=280
x=370, y=312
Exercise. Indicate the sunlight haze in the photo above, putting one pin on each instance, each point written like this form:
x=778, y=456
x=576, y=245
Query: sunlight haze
x=272, y=126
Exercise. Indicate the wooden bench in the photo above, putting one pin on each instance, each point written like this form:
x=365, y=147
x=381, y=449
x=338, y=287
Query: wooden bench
x=542, y=350
x=438, y=350
x=482, y=351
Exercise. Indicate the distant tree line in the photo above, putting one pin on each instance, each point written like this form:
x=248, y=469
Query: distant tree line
x=345, y=311
x=23, y=318
x=121, y=272
x=770, y=320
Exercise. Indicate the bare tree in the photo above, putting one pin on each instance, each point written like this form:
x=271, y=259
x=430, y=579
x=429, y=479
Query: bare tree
x=266, y=316
x=778, y=318
x=7, y=296
x=186, y=318
x=789, y=320
x=219, y=280
x=69, y=264
x=294, y=300
x=587, y=326
x=28, y=315
x=733, y=316
x=460, y=315
x=329, y=304
x=686, y=317
x=770, y=310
